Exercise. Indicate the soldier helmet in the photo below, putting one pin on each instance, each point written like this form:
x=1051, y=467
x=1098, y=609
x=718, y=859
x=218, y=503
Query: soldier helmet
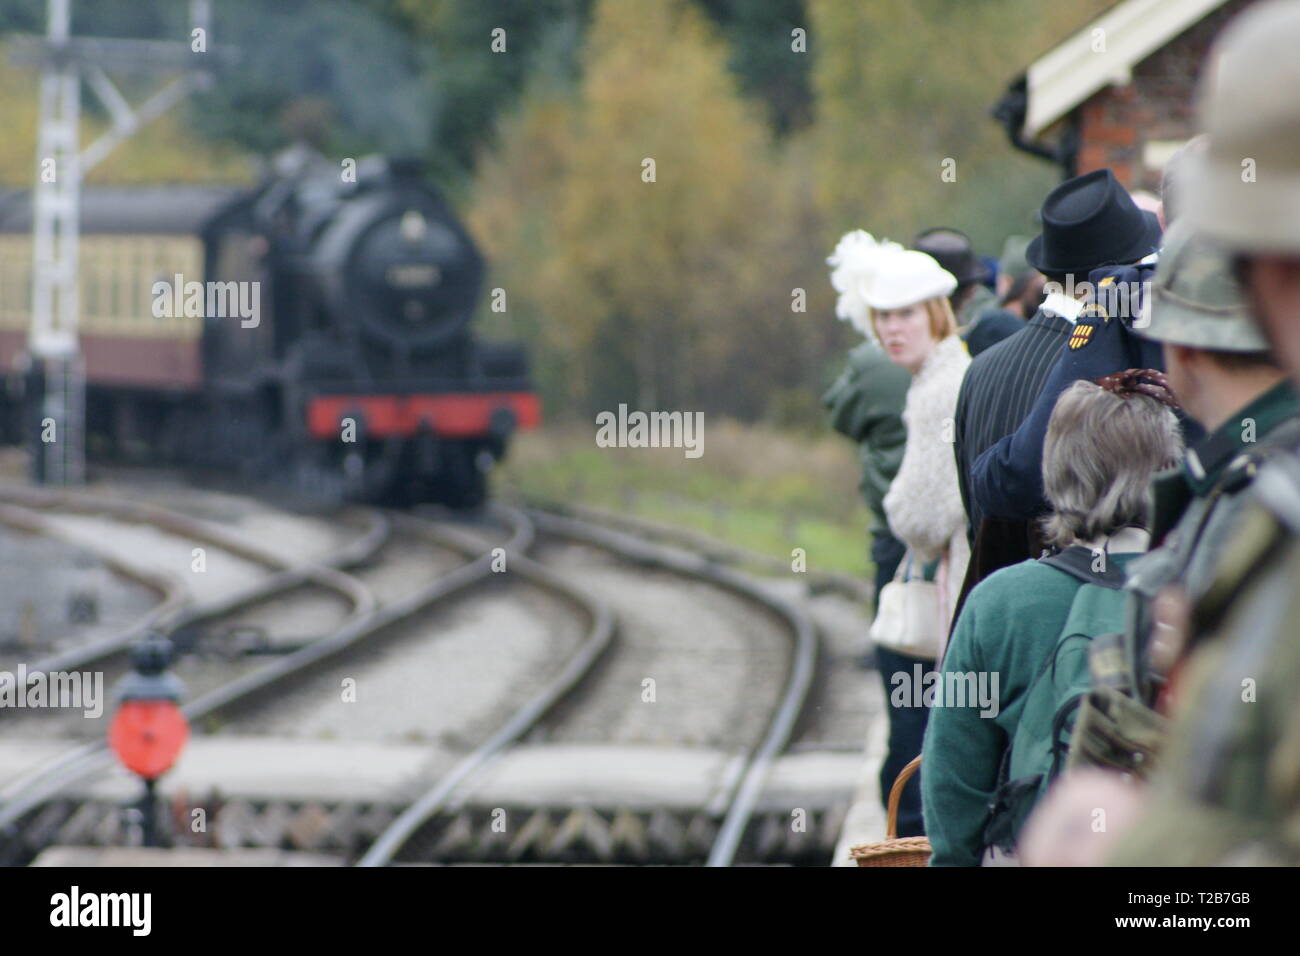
x=1194, y=299
x=1245, y=188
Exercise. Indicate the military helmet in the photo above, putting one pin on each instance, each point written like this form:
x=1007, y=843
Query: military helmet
x=1245, y=188
x=1194, y=299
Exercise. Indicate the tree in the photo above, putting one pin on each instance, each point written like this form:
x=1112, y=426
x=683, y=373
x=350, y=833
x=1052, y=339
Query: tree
x=485, y=52
x=759, y=35
x=903, y=85
x=665, y=237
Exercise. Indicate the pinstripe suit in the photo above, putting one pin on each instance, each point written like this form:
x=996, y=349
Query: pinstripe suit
x=999, y=389
x=997, y=393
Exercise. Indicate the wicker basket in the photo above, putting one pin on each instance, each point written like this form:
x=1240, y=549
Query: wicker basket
x=893, y=850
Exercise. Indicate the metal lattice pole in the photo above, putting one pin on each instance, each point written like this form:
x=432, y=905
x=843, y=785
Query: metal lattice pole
x=58, y=454
x=57, y=380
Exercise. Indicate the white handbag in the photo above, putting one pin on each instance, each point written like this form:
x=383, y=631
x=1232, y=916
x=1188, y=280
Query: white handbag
x=908, y=618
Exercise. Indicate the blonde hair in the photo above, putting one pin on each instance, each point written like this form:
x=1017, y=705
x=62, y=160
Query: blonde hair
x=942, y=321
x=1099, y=456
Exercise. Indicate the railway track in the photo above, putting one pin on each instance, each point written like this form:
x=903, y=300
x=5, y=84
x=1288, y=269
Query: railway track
x=794, y=694
x=368, y=616
x=715, y=549
x=28, y=508
x=740, y=803
x=600, y=633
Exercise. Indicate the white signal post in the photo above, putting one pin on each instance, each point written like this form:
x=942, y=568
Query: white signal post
x=54, y=348
x=52, y=338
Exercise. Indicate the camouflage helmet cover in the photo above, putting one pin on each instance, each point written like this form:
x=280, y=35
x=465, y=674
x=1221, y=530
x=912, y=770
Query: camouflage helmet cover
x=1194, y=299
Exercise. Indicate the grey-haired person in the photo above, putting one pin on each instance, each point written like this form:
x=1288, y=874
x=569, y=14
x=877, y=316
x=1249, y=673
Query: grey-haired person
x=1102, y=448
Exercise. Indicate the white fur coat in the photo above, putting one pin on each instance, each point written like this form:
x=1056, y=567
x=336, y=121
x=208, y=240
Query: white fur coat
x=924, y=502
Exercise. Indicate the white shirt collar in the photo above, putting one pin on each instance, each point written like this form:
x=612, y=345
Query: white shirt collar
x=1064, y=306
x=1123, y=541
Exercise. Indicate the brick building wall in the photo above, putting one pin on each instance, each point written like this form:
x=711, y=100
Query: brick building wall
x=1117, y=123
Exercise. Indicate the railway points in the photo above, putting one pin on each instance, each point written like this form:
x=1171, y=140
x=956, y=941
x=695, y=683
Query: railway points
x=339, y=788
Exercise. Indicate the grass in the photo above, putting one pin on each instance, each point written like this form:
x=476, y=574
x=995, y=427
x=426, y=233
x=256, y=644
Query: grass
x=755, y=486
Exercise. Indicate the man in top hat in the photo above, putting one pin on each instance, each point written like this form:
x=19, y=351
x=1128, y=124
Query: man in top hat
x=1006, y=480
x=1088, y=222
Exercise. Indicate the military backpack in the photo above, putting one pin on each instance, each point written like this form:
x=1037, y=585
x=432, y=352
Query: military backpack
x=1118, y=727
x=1038, y=748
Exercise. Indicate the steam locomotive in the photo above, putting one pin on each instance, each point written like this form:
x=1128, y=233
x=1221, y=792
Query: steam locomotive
x=317, y=325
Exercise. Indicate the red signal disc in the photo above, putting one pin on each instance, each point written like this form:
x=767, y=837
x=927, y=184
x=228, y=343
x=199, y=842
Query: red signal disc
x=147, y=736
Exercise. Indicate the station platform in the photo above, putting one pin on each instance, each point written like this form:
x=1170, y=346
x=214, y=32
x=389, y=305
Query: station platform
x=541, y=802
x=177, y=856
x=265, y=768
x=865, y=820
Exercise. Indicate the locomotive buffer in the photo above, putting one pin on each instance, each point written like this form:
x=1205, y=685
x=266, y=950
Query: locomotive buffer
x=56, y=376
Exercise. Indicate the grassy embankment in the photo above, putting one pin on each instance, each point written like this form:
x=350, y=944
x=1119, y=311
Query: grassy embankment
x=755, y=487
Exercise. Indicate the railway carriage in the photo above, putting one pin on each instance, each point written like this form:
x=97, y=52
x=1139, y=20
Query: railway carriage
x=310, y=326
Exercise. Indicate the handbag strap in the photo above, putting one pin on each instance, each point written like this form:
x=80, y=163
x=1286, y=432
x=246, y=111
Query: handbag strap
x=896, y=796
x=904, y=570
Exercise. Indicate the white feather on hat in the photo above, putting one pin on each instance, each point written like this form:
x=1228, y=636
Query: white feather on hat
x=854, y=265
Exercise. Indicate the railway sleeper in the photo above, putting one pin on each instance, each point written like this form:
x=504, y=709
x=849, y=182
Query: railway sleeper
x=471, y=834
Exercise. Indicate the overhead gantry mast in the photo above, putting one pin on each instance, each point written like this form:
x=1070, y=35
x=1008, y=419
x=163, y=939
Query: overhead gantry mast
x=56, y=375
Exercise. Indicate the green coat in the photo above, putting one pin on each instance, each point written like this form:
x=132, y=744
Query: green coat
x=866, y=404
x=1008, y=626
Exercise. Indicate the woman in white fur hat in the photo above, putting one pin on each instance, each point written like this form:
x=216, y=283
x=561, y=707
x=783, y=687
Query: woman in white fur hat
x=906, y=295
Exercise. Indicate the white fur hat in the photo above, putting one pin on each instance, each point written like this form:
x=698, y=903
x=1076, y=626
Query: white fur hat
x=853, y=266
x=879, y=274
x=905, y=276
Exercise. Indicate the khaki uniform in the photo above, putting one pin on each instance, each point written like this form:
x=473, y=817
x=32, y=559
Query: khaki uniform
x=1196, y=509
x=1228, y=789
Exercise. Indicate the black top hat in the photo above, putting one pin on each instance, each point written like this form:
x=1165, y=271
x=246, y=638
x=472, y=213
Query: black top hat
x=1091, y=221
x=952, y=250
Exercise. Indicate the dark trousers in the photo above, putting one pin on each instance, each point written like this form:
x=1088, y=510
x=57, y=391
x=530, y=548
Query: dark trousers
x=886, y=552
x=906, y=732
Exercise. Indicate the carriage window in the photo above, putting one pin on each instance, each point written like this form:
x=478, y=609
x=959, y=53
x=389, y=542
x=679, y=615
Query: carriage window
x=114, y=260
x=91, y=270
x=129, y=280
x=156, y=269
x=87, y=290
x=140, y=313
